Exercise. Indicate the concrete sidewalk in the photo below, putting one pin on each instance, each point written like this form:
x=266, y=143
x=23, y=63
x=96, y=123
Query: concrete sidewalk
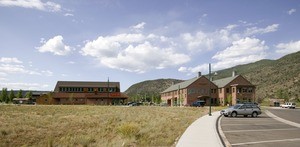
x=202, y=132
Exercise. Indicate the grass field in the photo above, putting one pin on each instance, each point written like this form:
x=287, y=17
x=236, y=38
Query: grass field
x=94, y=125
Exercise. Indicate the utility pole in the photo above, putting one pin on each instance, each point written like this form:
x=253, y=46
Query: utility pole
x=209, y=76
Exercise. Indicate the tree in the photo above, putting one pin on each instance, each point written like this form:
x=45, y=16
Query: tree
x=229, y=99
x=28, y=94
x=282, y=94
x=19, y=94
x=11, y=95
x=4, y=96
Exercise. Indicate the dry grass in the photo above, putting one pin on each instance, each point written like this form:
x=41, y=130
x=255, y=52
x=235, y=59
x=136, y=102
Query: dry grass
x=94, y=125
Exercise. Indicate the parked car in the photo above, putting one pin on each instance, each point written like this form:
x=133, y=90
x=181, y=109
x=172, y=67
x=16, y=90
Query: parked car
x=198, y=104
x=242, y=109
x=289, y=105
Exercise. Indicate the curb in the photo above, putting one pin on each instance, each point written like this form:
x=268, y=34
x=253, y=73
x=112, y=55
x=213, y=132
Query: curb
x=282, y=120
x=222, y=136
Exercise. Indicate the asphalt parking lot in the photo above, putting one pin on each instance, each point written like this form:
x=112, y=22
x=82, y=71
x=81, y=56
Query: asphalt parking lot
x=262, y=131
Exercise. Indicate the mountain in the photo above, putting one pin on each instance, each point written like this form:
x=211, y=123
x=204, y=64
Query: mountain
x=149, y=89
x=271, y=78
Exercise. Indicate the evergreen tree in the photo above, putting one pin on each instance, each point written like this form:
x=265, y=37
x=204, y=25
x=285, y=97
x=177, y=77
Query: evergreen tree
x=19, y=95
x=28, y=95
x=4, y=96
x=11, y=95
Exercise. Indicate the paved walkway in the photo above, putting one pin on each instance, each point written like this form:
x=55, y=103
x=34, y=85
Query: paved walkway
x=202, y=132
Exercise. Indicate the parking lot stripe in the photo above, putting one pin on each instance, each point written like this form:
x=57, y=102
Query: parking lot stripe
x=267, y=141
x=260, y=130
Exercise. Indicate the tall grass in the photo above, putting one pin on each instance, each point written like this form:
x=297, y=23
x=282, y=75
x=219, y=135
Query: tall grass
x=94, y=125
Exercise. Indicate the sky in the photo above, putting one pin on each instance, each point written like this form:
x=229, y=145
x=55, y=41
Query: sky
x=130, y=41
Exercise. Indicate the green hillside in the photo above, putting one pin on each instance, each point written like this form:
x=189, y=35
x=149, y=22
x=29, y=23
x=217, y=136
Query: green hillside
x=149, y=90
x=273, y=79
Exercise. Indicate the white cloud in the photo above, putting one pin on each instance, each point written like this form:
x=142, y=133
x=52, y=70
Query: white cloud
x=139, y=26
x=15, y=66
x=134, y=52
x=10, y=60
x=193, y=70
x=255, y=30
x=54, y=45
x=24, y=86
x=286, y=48
x=290, y=12
x=16, y=69
x=202, y=41
x=68, y=14
x=33, y=4
x=241, y=52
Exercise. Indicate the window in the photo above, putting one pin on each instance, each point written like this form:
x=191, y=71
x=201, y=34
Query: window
x=90, y=89
x=250, y=90
x=227, y=90
x=244, y=90
x=233, y=90
x=100, y=89
x=220, y=90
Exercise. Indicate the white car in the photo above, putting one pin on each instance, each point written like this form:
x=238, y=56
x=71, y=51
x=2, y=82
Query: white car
x=289, y=105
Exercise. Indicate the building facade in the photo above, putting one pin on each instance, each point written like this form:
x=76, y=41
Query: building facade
x=230, y=90
x=80, y=93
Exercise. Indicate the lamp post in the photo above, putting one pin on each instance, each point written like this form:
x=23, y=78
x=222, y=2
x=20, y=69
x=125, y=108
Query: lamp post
x=209, y=76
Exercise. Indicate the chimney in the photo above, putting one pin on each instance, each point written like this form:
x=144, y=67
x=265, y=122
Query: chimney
x=233, y=73
x=199, y=74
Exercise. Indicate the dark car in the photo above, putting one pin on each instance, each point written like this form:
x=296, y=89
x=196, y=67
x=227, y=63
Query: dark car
x=198, y=104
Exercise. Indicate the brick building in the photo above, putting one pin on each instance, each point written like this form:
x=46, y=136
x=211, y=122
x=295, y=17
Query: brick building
x=230, y=90
x=78, y=92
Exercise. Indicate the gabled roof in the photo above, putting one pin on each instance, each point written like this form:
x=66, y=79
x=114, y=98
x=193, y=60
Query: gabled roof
x=223, y=82
x=181, y=85
x=85, y=84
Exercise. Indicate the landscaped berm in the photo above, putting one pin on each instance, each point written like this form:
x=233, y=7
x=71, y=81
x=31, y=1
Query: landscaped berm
x=75, y=125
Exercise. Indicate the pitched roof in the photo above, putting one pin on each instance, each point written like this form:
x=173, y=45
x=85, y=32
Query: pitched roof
x=181, y=85
x=223, y=82
x=85, y=84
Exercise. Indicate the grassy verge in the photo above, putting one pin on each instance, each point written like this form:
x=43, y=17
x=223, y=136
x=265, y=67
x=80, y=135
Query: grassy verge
x=94, y=125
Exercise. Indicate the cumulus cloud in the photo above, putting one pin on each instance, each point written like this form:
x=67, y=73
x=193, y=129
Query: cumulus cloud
x=10, y=60
x=243, y=51
x=133, y=52
x=54, y=45
x=287, y=48
x=291, y=11
x=203, y=41
x=33, y=4
x=255, y=30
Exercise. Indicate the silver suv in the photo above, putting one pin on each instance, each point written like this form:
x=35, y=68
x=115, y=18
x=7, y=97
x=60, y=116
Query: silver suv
x=242, y=109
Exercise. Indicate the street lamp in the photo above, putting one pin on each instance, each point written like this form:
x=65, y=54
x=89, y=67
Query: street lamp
x=209, y=76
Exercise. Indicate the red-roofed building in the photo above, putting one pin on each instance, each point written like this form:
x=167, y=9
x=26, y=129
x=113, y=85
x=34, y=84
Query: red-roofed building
x=82, y=92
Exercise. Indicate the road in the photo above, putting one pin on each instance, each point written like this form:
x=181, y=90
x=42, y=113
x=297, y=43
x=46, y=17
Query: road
x=263, y=130
x=288, y=114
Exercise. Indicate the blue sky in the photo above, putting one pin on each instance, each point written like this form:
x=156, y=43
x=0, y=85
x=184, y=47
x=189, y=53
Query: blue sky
x=130, y=41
